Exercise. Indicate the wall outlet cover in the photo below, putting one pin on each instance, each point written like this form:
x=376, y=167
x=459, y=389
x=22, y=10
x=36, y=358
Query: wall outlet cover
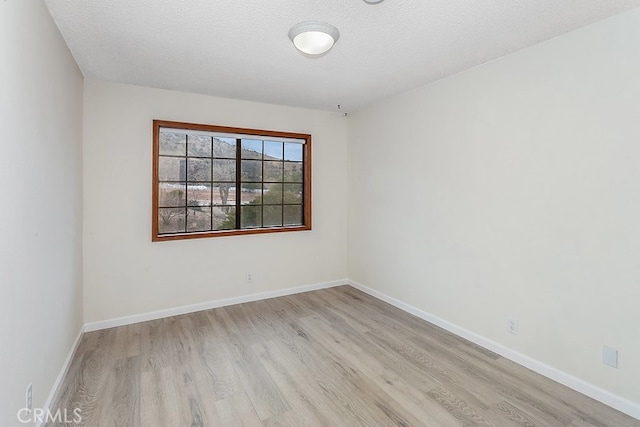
x=610, y=356
x=29, y=397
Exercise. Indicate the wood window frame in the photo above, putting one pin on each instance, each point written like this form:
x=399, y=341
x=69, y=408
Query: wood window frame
x=258, y=133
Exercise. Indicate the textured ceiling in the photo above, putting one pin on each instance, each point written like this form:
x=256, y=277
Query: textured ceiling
x=240, y=48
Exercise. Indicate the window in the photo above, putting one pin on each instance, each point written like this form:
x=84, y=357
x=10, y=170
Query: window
x=219, y=181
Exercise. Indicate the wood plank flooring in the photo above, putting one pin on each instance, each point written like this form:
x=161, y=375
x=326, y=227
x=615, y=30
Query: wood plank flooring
x=334, y=357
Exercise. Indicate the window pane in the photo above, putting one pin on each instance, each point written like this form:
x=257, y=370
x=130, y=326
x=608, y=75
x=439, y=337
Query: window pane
x=199, y=195
x=237, y=180
x=199, y=219
x=273, y=150
x=199, y=145
x=251, y=149
x=293, y=193
x=251, y=193
x=224, y=193
x=293, y=172
x=173, y=143
x=224, y=170
x=171, y=194
x=224, y=147
x=170, y=220
x=293, y=215
x=251, y=170
x=224, y=217
x=272, y=216
x=171, y=169
x=198, y=170
x=251, y=216
x=272, y=194
x=293, y=151
x=273, y=171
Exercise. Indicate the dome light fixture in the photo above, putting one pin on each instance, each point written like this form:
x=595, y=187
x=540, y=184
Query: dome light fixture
x=314, y=38
x=373, y=1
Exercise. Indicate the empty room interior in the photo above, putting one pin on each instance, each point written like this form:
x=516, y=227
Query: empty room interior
x=300, y=213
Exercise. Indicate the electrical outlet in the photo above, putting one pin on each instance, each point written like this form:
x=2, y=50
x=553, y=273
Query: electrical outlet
x=512, y=326
x=610, y=356
x=29, y=398
x=249, y=277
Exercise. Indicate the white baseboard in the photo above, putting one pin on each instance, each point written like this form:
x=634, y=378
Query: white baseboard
x=175, y=311
x=621, y=404
x=61, y=376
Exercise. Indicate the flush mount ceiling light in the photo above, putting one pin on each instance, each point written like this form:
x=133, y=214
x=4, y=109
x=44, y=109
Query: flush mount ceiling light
x=313, y=38
x=372, y=1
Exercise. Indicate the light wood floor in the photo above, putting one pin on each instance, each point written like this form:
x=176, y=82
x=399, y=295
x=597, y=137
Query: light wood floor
x=335, y=357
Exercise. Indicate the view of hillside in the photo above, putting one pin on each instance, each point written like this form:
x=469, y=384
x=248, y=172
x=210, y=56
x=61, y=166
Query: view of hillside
x=197, y=188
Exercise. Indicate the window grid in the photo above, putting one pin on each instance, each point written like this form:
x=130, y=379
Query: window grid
x=264, y=182
x=189, y=176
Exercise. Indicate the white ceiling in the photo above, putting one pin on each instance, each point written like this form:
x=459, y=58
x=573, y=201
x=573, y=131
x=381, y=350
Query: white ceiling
x=240, y=48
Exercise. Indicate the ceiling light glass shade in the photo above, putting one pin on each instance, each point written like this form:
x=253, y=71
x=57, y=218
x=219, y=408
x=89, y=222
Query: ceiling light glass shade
x=314, y=38
x=373, y=1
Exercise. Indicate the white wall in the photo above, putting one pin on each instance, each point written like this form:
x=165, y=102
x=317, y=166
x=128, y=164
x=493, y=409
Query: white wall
x=41, y=214
x=126, y=274
x=513, y=189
